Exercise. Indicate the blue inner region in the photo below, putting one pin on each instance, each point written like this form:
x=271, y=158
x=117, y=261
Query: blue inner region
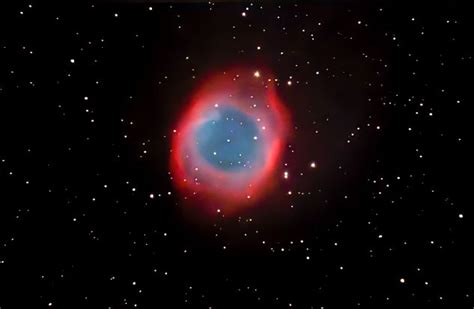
x=229, y=140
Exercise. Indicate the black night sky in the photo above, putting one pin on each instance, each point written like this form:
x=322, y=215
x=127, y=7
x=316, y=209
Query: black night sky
x=371, y=203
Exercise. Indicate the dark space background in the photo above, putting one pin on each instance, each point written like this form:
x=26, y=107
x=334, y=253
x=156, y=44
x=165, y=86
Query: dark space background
x=379, y=100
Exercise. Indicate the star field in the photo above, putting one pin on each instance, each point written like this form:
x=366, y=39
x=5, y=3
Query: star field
x=365, y=204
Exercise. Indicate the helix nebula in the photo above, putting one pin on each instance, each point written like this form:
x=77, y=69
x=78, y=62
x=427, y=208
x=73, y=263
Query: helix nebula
x=229, y=140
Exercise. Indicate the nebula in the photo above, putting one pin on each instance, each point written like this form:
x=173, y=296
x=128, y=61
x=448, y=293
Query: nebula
x=229, y=140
